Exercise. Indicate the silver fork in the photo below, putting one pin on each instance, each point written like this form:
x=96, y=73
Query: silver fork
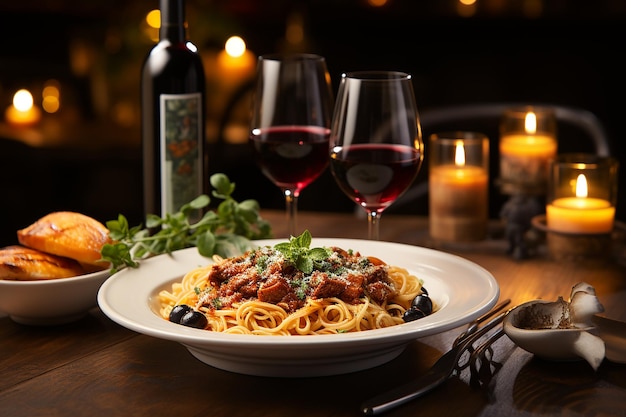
x=471, y=328
x=482, y=364
x=440, y=371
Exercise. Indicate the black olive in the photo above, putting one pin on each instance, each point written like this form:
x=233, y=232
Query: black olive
x=413, y=314
x=424, y=303
x=178, y=312
x=424, y=291
x=194, y=319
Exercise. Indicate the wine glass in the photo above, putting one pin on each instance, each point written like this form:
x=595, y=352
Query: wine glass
x=376, y=147
x=290, y=127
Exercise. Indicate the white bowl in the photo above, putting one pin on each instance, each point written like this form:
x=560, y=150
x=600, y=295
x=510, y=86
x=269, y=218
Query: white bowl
x=560, y=344
x=50, y=302
x=460, y=289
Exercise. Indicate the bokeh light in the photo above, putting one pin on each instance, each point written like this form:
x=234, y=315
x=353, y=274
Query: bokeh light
x=235, y=46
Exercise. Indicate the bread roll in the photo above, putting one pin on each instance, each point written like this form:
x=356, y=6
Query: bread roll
x=26, y=264
x=68, y=234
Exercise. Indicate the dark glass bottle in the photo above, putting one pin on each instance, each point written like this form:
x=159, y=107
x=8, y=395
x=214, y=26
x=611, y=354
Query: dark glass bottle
x=173, y=117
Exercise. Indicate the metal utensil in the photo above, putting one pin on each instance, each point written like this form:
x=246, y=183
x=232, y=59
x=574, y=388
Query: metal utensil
x=482, y=365
x=440, y=372
x=471, y=328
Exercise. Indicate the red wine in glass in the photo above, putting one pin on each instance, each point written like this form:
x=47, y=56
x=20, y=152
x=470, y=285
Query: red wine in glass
x=375, y=175
x=292, y=157
x=290, y=123
x=376, y=146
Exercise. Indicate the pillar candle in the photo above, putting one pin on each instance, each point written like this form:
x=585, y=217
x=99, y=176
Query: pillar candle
x=580, y=213
x=458, y=193
x=527, y=145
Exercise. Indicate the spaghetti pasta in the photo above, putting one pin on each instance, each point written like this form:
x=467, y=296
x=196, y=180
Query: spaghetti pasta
x=262, y=293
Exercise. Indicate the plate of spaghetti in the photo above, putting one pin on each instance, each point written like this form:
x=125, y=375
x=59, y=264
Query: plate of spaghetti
x=287, y=309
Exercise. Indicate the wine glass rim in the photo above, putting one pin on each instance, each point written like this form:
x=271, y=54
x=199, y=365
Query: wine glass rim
x=292, y=56
x=376, y=75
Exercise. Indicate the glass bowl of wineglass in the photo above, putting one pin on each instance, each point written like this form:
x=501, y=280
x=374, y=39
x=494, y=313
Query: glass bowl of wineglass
x=290, y=126
x=376, y=146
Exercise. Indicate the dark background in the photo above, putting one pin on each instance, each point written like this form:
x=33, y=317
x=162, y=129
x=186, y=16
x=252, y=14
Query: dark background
x=528, y=51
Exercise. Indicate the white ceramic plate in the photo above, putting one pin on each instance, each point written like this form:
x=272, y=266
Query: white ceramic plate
x=460, y=289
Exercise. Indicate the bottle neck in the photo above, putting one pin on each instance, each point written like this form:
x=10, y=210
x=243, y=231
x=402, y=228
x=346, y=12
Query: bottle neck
x=173, y=23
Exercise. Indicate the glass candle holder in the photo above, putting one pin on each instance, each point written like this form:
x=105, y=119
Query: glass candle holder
x=582, y=194
x=527, y=145
x=580, y=208
x=458, y=186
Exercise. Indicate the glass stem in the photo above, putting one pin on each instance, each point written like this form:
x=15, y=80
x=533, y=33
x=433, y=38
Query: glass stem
x=291, y=206
x=373, y=225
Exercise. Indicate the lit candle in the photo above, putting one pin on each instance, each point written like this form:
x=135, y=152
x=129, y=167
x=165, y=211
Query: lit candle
x=23, y=112
x=525, y=152
x=458, y=196
x=580, y=213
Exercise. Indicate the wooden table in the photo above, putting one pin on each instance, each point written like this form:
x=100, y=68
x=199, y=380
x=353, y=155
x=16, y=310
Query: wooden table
x=94, y=367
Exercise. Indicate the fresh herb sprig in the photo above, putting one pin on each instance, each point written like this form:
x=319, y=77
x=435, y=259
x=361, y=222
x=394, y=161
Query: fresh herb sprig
x=297, y=250
x=226, y=231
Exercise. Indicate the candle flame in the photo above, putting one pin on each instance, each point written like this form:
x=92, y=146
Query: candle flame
x=530, y=123
x=459, y=154
x=23, y=100
x=581, y=186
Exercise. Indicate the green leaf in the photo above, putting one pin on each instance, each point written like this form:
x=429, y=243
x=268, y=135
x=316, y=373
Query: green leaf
x=118, y=255
x=200, y=202
x=223, y=187
x=229, y=245
x=298, y=253
x=305, y=239
x=206, y=243
x=226, y=231
x=319, y=254
x=152, y=220
x=305, y=264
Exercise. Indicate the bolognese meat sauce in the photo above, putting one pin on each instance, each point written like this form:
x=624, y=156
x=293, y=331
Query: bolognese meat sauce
x=265, y=274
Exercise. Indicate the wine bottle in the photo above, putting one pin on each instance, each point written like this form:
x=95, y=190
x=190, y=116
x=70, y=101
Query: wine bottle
x=173, y=117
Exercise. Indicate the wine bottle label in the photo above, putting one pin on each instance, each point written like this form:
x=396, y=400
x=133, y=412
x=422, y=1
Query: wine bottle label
x=181, y=150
